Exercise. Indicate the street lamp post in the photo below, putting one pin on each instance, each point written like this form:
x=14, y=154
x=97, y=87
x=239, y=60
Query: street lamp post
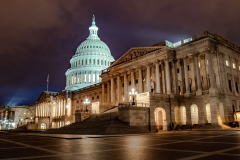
x=133, y=93
x=86, y=102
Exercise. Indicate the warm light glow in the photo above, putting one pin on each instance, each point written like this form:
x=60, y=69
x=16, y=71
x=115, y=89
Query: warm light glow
x=199, y=64
x=234, y=65
x=67, y=106
x=227, y=64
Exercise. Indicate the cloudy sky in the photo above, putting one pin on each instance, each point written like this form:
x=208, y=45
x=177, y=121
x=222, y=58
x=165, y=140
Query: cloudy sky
x=38, y=37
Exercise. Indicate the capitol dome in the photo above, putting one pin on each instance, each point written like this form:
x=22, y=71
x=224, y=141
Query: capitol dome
x=91, y=57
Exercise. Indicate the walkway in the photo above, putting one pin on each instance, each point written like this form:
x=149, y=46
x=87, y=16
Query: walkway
x=183, y=145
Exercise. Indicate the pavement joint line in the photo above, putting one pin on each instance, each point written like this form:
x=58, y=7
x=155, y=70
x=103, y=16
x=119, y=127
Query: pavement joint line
x=31, y=146
x=215, y=142
x=68, y=154
x=210, y=153
x=13, y=147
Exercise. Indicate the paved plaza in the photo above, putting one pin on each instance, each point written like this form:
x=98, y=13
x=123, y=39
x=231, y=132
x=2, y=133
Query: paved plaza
x=181, y=145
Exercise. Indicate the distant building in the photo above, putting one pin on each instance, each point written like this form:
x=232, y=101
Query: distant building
x=12, y=117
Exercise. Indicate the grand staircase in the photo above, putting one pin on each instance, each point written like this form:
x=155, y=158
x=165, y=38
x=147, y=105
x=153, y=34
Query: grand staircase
x=98, y=124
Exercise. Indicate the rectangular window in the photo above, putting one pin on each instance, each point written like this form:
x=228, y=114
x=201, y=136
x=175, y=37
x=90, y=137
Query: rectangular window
x=178, y=70
x=136, y=81
x=98, y=77
x=130, y=83
x=239, y=68
x=93, y=78
x=89, y=78
x=234, y=66
x=230, y=85
x=207, y=62
x=199, y=65
x=188, y=67
x=85, y=78
x=227, y=64
x=75, y=80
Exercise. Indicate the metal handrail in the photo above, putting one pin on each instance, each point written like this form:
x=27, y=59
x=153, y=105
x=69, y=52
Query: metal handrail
x=131, y=104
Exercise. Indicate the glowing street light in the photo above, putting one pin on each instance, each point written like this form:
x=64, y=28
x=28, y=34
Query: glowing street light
x=86, y=102
x=133, y=93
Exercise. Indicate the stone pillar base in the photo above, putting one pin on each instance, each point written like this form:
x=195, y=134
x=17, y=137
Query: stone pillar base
x=213, y=91
x=187, y=94
x=199, y=92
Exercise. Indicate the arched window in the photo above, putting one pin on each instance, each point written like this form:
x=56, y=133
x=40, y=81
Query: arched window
x=90, y=61
x=208, y=113
x=86, y=62
x=93, y=61
x=101, y=62
x=43, y=126
x=194, y=114
x=98, y=62
x=183, y=115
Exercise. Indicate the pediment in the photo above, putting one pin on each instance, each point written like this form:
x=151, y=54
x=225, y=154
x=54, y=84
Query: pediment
x=135, y=53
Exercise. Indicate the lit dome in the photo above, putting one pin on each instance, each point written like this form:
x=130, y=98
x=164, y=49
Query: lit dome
x=92, y=56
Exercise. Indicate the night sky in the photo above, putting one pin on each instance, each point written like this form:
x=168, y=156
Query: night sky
x=38, y=37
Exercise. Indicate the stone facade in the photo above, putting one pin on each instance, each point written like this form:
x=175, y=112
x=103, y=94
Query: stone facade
x=193, y=82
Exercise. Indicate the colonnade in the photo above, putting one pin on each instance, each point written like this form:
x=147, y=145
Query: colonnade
x=83, y=77
x=167, y=84
x=43, y=110
x=55, y=109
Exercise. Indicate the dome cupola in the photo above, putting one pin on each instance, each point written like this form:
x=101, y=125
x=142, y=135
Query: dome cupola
x=91, y=57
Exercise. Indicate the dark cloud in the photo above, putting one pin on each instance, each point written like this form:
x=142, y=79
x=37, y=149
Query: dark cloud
x=38, y=37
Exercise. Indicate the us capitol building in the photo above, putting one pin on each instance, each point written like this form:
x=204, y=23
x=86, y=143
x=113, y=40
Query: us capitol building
x=193, y=82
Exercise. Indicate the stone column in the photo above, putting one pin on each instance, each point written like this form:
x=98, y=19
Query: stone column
x=148, y=78
x=112, y=90
x=125, y=87
x=199, y=90
x=167, y=76
x=212, y=89
x=119, y=89
x=182, y=76
x=108, y=92
x=176, y=76
x=140, y=80
x=233, y=80
x=103, y=91
x=158, y=89
x=132, y=79
x=187, y=93
x=163, y=78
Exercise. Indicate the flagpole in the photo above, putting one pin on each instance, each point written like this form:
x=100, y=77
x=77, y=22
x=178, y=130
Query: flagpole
x=47, y=82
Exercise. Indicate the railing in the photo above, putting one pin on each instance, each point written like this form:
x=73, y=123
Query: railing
x=86, y=111
x=133, y=104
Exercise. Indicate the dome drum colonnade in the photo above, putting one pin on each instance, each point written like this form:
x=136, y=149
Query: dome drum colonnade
x=92, y=56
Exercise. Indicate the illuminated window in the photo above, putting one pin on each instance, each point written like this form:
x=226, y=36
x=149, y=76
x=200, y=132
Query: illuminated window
x=239, y=68
x=98, y=77
x=85, y=78
x=72, y=79
x=234, y=66
x=199, y=64
x=75, y=80
x=89, y=78
x=78, y=79
x=93, y=78
x=227, y=64
x=207, y=62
